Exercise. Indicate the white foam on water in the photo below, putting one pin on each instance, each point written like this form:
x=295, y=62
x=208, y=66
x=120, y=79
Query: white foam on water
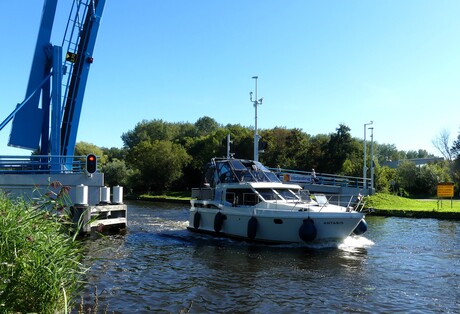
x=353, y=242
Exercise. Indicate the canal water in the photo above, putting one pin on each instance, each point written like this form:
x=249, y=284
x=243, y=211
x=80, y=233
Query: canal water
x=400, y=265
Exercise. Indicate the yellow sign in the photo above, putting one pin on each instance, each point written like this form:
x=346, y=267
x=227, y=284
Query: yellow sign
x=71, y=57
x=445, y=189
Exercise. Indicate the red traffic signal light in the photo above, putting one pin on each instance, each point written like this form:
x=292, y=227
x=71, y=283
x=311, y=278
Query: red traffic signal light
x=91, y=163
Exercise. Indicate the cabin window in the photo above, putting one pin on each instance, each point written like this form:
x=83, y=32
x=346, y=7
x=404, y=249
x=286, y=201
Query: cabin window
x=237, y=165
x=272, y=177
x=230, y=197
x=225, y=173
x=250, y=198
x=241, y=197
x=268, y=194
x=287, y=194
x=321, y=199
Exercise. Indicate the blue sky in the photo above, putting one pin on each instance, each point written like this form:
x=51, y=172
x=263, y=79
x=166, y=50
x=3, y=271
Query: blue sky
x=319, y=63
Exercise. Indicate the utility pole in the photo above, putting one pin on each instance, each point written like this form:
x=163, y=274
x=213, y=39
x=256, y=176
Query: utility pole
x=364, y=166
x=256, y=103
x=229, y=155
x=372, y=159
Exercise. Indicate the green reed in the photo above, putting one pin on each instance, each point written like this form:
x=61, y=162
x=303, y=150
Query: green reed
x=40, y=261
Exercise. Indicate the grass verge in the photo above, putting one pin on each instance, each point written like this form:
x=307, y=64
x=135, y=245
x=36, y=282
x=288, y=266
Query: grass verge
x=392, y=205
x=40, y=267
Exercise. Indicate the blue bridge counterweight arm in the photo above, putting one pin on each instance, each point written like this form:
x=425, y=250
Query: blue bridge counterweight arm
x=52, y=127
x=28, y=121
x=76, y=88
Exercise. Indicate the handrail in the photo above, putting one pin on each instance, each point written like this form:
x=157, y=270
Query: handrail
x=20, y=164
x=298, y=176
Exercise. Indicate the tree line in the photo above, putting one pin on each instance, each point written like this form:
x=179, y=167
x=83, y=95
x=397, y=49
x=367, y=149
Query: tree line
x=158, y=156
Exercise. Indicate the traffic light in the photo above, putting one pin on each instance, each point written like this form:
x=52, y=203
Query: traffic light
x=91, y=163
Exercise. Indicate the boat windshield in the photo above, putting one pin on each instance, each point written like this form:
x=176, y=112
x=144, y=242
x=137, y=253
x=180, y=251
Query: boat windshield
x=277, y=194
x=287, y=194
x=238, y=170
x=268, y=194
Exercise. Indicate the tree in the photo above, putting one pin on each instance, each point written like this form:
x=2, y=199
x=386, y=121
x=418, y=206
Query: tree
x=441, y=143
x=338, y=149
x=406, y=174
x=353, y=165
x=316, y=153
x=286, y=148
x=386, y=152
x=115, y=153
x=159, y=163
x=385, y=179
x=243, y=140
x=116, y=173
x=455, y=151
x=421, y=180
x=202, y=149
x=84, y=148
x=426, y=181
x=411, y=154
x=206, y=125
x=150, y=131
x=421, y=153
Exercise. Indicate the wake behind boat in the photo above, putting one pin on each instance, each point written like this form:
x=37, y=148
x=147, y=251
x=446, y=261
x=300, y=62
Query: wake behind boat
x=243, y=199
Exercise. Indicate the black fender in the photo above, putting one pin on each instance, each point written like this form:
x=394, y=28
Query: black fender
x=252, y=227
x=307, y=231
x=361, y=227
x=196, y=220
x=219, y=221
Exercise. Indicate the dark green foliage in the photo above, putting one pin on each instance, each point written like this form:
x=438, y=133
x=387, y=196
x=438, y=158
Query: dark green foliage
x=388, y=152
x=287, y=148
x=455, y=151
x=159, y=155
x=159, y=163
x=421, y=180
x=149, y=131
x=337, y=150
x=116, y=173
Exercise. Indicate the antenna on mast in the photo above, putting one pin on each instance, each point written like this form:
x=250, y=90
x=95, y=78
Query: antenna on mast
x=256, y=103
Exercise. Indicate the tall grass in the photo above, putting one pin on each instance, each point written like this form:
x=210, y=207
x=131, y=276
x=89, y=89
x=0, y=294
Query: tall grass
x=40, y=267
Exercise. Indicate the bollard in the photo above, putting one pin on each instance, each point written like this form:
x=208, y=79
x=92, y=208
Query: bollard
x=117, y=197
x=105, y=195
x=81, y=197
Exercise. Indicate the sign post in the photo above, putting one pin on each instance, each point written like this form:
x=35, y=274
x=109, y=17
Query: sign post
x=445, y=190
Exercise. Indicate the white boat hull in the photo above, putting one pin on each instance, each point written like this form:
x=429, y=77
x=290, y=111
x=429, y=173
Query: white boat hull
x=273, y=226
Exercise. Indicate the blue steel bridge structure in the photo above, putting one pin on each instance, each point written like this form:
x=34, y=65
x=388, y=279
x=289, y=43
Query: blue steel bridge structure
x=46, y=121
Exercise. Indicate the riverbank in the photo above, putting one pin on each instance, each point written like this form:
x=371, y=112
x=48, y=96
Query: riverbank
x=172, y=197
x=392, y=205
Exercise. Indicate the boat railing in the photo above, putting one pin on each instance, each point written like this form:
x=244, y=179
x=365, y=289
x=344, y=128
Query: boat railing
x=348, y=201
x=308, y=177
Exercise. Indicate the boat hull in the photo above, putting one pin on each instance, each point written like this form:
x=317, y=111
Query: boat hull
x=271, y=226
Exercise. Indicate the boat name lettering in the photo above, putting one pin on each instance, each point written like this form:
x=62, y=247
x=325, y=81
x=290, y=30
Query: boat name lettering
x=333, y=222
